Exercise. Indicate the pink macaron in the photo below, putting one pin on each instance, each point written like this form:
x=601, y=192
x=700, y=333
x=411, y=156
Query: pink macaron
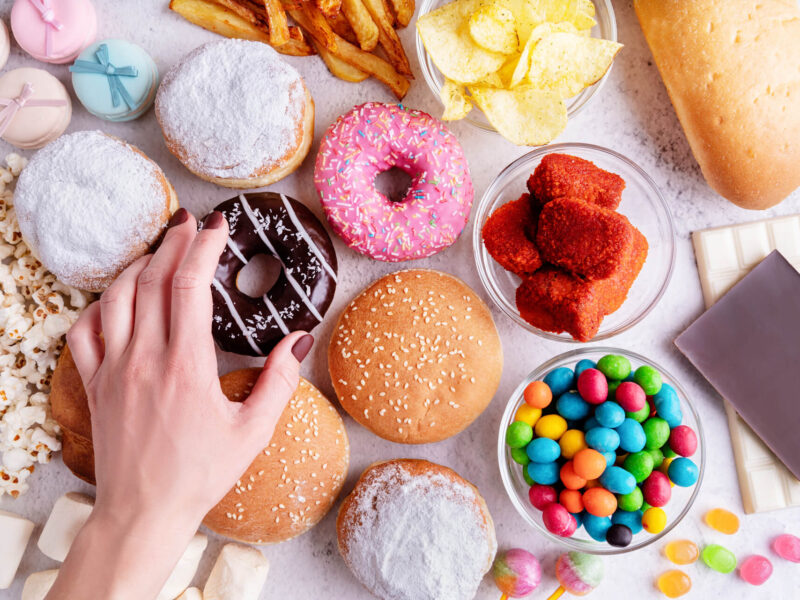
x=54, y=31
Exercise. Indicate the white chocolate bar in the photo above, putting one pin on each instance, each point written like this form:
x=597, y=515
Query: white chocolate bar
x=15, y=531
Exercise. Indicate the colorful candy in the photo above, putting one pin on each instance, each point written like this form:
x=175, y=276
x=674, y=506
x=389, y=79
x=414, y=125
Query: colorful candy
x=589, y=463
x=519, y=434
x=654, y=519
x=582, y=365
x=718, y=558
x=683, y=440
x=619, y=535
x=668, y=407
x=593, y=386
x=755, y=569
x=544, y=473
x=639, y=464
x=649, y=379
x=572, y=442
x=632, y=437
x=543, y=450
x=596, y=527
x=559, y=380
x=578, y=573
x=537, y=394
x=722, y=520
x=631, y=519
x=632, y=501
x=787, y=546
x=572, y=500
x=617, y=480
x=614, y=367
x=602, y=439
x=572, y=406
x=674, y=583
x=551, y=426
x=528, y=414
x=516, y=572
x=558, y=520
x=656, y=489
x=656, y=431
x=630, y=396
x=609, y=414
x=570, y=479
x=541, y=495
x=683, y=472
x=682, y=552
x=599, y=502
x=520, y=456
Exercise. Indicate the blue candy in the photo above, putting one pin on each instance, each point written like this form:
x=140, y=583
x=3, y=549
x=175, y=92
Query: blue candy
x=590, y=423
x=668, y=406
x=583, y=365
x=543, y=473
x=611, y=458
x=572, y=406
x=609, y=414
x=596, y=526
x=578, y=518
x=602, y=439
x=632, y=520
x=543, y=450
x=560, y=380
x=617, y=480
x=631, y=436
x=683, y=472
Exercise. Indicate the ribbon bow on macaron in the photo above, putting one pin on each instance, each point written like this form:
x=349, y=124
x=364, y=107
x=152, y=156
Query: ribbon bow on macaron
x=112, y=73
x=12, y=105
x=48, y=16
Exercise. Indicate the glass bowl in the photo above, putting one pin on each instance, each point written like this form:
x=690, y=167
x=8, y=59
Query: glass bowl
x=517, y=490
x=642, y=203
x=606, y=28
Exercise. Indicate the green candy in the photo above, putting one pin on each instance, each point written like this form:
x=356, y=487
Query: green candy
x=519, y=434
x=639, y=464
x=520, y=456
x=669, y=452
x=656, y=431
x=649, y=379
x=528, y=479
x=614, y=366
x=657, y=455
x=718, y=558
x=645, y=506
x=612, y=388
x=640, y=415
x=632, y=501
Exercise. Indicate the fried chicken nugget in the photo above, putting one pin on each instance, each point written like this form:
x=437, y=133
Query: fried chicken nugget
x=506, y=237
x=563, y=175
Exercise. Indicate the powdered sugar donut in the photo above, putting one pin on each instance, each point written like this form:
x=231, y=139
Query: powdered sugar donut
x=54, y=31
x=235, y=114
x=373, y=138
x=89, y=204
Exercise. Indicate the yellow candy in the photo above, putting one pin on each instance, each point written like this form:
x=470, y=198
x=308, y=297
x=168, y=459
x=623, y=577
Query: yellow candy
x=664, y=467
x=682, y=552
x=722, y=520
x=654, y=520
x=528, y=414
x=571, y=442
x=674, y=584
x=551, y=426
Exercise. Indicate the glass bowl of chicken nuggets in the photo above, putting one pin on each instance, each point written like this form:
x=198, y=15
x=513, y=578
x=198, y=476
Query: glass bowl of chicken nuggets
x=574, y=242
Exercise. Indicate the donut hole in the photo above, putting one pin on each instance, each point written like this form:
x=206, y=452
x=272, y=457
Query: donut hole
x=393, y=183
x=258, y=276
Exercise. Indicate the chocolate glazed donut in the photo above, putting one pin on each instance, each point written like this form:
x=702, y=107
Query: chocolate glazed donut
x=276, y=225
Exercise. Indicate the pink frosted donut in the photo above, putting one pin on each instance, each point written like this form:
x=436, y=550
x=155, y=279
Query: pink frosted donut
x=373, y=138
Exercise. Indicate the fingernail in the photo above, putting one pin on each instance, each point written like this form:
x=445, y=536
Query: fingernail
x=179, y=217
x=214, y=220
x=302, y=347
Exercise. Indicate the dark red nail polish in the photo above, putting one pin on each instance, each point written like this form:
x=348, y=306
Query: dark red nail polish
x=302, y=347
x=179, y=217
x=214, y=220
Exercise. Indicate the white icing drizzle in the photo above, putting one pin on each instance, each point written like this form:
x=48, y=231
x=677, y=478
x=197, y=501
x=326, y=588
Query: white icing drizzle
x=276, y=315
x=304, y=234
x=236, y=316
x=235, y=249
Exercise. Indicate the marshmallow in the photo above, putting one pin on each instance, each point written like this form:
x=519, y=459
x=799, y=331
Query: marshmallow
x=238, y=574
x=38, y=584
x=191, y=594
x=15, y=531
x=69, y=514
x=184, y=571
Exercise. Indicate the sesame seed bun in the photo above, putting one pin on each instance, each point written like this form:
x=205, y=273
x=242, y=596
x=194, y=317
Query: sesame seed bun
x=415, y=357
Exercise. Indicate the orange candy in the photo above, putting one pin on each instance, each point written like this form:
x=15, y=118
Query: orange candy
x=599, y=502
x=538, y=394
x=572, y=500
x=589, y=463
x=570, y=479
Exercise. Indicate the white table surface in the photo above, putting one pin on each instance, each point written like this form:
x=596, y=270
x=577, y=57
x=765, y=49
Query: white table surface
x=632, y=115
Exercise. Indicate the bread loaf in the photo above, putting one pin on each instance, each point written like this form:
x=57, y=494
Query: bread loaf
x=731, y=70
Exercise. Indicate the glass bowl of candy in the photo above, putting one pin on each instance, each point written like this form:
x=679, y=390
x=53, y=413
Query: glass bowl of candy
x=601, y=450
x=566, y=306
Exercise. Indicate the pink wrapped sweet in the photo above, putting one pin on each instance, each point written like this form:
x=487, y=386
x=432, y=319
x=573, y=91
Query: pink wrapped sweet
x=54, y=31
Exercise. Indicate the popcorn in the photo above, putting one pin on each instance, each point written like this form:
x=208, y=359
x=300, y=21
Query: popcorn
x=35, y=313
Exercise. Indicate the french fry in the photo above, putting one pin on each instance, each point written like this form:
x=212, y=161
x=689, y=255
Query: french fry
x=339, y=67
x=388, y=36
x=317, y=27
x=278, y=26
x=329, y=8
x=360, y=20
x=341, y=26
x=403, y=10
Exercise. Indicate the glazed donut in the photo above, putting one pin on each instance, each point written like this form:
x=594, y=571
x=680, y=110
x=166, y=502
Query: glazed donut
x=373, y=138
x=276, y=225
x=235, y=114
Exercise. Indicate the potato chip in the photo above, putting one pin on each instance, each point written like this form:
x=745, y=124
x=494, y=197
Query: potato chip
x=577, y=12
x=492, y=28
x=527, y=14
x=525, y=116
x=524, y=64
x=566, y=63
x=456, y=103
x=445, y=34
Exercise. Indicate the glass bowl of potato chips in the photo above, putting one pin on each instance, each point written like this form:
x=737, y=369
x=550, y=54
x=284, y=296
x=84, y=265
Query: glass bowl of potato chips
x=516, y=67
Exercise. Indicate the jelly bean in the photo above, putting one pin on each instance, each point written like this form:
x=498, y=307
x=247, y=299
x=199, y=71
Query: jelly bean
x=619, y=535
x=674, y=584
x=569, y=478
x=543, y=450
x=572, y=442
x=631, y=519
x=632, y=437
x=590, y=423
x=596, y=527
x=657, y=455
x=599, y=502
x=683, y=472
x=614, y=366
x=639, y=464
x=583, y=365
x=572, y=500
x=519, y=434
x=668, y=406
x=650, y=379
x=722, y=520
x=631, y=502
x=572, y=406
x=541, y=495
x=527, y=477
x=560, y=380
x=654, y=520
x=656, y=489
x=593, y=386
x=528, y=414
x=718, y=558
x=558, y=520
x=544, y=473
x=640, y=415
x=755, y=569
x=609, y=414
x=630, y=396
x=683, y=440
x=682, y=552
x=787, y=546
x=520, y=456
x=611, y=458
x=537, y=394
x=617, y=480
x=551, y=426
x=602, y=439
x=589, y=463
x=656, y=432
